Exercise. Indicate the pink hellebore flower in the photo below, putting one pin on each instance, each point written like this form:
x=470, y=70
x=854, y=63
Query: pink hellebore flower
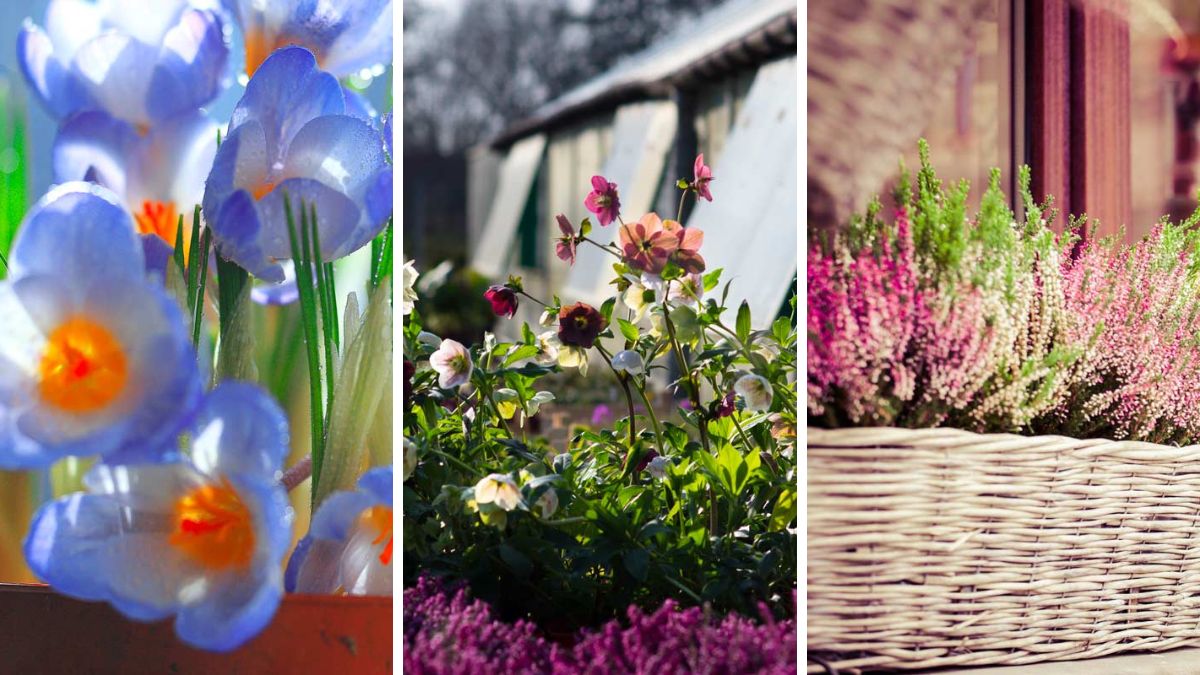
x=452, y=362
x=603, y=201
x=503, y=300
x=687, y=255
x=703, y=176
x=566, y=244
x=647, y=244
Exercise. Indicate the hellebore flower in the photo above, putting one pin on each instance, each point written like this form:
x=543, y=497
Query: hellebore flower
x=158, y=175
x=565, y=247
x=94, y=359
x=580, y=324
x=410, y=456
x=603, y=200
x=349, y=545
x=657, y=467
x=346, y=36
x=141, y=61
x=755, y=390
x=628, y=361
x=408, y=287
x=503, y=299
x=686, y=291
x=640, y=294
x=202, y=538
x=701, y=178
x=547, y=504
x=647, y=245
x=289, y=134
x=499, y=489
x=687, y=252
x=724, y=407
x=453, y=364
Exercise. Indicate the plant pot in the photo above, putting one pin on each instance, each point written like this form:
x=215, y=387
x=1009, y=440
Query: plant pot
x=939, y=547
x=45, y=632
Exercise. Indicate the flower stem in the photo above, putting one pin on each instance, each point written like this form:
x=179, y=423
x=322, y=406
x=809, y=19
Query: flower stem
x=623, y=379
x=686, y=372
x=679, y=213
x=297, y=473
x=607, y=248
x=522, y=292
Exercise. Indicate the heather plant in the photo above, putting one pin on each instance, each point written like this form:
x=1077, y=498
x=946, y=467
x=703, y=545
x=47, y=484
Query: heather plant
x=698, y=505
x=446, y=631
x=939, y=318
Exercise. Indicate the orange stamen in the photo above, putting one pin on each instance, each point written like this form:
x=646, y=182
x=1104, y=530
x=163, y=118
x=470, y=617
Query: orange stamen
x=262, y=190
x=162, y=219
x=214, y=527
x=379, y=519
x=82, y=368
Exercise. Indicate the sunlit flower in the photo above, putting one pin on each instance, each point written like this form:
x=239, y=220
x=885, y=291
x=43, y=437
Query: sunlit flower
x=289, y=134
x=549, y=317
x=782, y=429
x=687, y=251
x=503, y=300
x=568, y=356
x=724, y=407
x=200, y=537
x=547, y=504
x=658, y=467
x=94, y=359
x=628, y=361
x=453, y=364
x=349, y=544
x=347, y=36
x=640, y=294
x=702, y=176
x=580, y=324
x=755, y=390
x=687, y=290
x=158, y=173
x=141, y=61
x=603, y=200
x=647, y=244
x=408, y=287
x=547, y=344
x=499, y=489
x=565, y=246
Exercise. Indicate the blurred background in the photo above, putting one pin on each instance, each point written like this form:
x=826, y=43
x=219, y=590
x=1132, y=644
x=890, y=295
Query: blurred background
x=26, y=136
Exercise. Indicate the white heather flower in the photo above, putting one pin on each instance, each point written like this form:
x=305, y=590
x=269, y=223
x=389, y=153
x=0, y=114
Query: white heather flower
x=499, y=489
x=547, y=504
x=408, y=283
x=453, y=364
x=628, y=361
x=755, y=390
x=410, y=458
x=658, y=467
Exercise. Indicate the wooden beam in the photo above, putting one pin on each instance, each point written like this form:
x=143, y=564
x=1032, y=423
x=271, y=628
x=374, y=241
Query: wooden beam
x=1047, y=92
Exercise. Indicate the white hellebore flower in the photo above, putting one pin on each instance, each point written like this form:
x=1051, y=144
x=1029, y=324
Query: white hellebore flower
x=686, y=291
x=569, y=356
x=499, y=489
x=755, y=390
x=547, y=344
x=453, y=364
x=410, y=458
x=628, y=361
x=658, y=467
x=408, y=283
x=548, y=503
x=427, y=338
x=635, y=296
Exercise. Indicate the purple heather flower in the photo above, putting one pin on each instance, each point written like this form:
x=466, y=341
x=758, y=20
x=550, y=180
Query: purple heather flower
x=603, y=200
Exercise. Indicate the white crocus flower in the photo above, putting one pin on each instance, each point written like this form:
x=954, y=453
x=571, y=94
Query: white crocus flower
x=499, y=489
x=628, y=361
x=755, y=390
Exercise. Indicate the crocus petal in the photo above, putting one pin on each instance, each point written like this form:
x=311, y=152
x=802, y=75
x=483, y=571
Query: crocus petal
x=51, y=79
x=172, y=162
x=358, y=106
x=116, y=70
x=284, y=293
x=191, y=66
x=334, y=520
x=338, y=219
x=72, y=23
x=238, y=230
x=366, y=39
x=286, y=93
x=81, y=228
x=340, y=151
x=318, y=571
x=94, y=141
x=240, y=430
x=378, y=483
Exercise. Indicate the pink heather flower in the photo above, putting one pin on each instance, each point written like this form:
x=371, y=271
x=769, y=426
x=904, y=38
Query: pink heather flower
x=687, y=254
x=647, y=245
x=603, y=200
x=452, y=362
x=503, y=299
x=565, y=246
x=703, y=176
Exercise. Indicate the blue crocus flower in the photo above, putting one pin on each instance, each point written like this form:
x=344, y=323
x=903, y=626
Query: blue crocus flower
x=347, y=36
x=349, y=543
x=94, y=358
x=139, y=60
x=379, y=195
x=201, y=538
x=290, y=134
x=158, y=175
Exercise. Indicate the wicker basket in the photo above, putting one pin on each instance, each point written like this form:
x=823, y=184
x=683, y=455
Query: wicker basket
x=940, y=547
